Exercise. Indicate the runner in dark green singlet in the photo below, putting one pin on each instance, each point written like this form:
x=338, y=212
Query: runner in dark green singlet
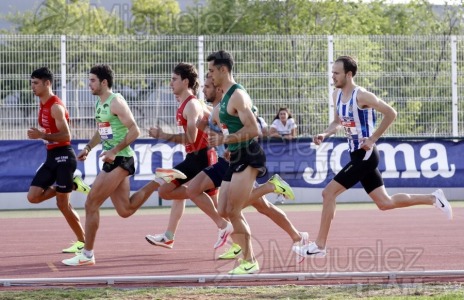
x=247, y=160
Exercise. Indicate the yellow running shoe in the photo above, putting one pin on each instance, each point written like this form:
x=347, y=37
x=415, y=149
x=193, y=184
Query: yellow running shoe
x=231, y=253
x=75, y=247
x=245, y=267
x=282, y=187
x=81, y=186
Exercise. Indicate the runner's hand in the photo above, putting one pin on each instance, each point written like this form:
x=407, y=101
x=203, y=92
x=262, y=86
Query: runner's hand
x=367, y=144
x=155, y=132
x=317, y=139
x=82, y=155
x=214, y=138
x=34, y=133
x=108, y=156
x=227, y=155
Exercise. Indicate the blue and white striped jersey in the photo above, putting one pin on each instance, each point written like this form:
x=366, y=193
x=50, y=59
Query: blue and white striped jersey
x=221, y=148
x=358, y=123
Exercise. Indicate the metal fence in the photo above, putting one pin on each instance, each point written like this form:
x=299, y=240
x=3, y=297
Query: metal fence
x=419, y=76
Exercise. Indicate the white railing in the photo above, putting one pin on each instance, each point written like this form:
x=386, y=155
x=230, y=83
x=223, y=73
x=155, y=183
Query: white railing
x=419, y=76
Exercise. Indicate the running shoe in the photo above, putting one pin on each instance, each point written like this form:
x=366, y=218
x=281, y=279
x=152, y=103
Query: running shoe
x=81, y=186
x=80, y=260
x=245, y=267
x=442, y=203
x=231, y=253
x=75, y=247
x=223, y=234
x=309, y=250
x=282, y=187
x=304, y=241
x=160, y=240
x=169, y=175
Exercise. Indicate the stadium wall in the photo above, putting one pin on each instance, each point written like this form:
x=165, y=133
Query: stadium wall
x=407, y=165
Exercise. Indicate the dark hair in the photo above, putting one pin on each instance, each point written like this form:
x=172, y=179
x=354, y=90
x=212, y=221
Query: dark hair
x=283, y=109
x=43, y=73
x=349, y=64
x=208, y=76
x=221, y=58
x=103, y=72
x=188, y=71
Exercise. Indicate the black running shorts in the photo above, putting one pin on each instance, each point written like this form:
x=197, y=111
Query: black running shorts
x=194, y=163
x=360, y=170
x=252, y=155
x=58, y=168
x=127, y=163
x=217, y=171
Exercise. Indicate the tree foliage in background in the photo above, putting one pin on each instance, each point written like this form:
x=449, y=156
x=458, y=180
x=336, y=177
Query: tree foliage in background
x=154, y=17
x=51, y=17
x=297, y=17
x=76, y=17
x=286, y=71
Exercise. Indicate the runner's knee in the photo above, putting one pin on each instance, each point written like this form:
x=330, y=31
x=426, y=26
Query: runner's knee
x=384, y=205
x=233, y=212
x=193, y=191
x=164, y=191
x=262, y=206
x=91, y=205
x=126, y=213
x=33, y=198
x=62, y=205
x=327, y=195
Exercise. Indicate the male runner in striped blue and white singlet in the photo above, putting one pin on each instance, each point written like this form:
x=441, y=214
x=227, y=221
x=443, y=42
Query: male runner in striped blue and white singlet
x=355, y=111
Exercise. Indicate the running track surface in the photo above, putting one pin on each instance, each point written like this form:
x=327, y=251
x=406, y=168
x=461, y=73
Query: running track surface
x=361, y=240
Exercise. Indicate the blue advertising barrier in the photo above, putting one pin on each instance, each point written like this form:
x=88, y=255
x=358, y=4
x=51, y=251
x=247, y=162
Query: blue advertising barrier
x=404, y=163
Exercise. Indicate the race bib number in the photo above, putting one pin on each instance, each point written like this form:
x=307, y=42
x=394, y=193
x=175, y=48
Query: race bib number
x=224, y=129
x=350, y=128
x=105, y=131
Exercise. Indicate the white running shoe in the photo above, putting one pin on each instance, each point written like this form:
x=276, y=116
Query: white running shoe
x=309, y=250
x=304, y=241
x=79, y=260
x=160, y=240
x=169, y=175
x=223, y=234
x=442, y=203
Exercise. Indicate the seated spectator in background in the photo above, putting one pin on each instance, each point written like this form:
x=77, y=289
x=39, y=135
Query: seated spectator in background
x=283, y=125
x=262, y=125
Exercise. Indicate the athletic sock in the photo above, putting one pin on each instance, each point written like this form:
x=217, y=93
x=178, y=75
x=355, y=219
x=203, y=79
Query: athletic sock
x=87, y=253
x=160, y=181
x=169, y=234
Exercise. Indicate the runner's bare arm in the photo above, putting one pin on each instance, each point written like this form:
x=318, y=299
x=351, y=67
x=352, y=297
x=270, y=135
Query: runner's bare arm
x=122, y=110
x=192, y=113
x=333, y=126
x=367, y=99
x=63, y=134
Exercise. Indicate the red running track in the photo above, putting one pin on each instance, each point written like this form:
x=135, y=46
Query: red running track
x=361, y=240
